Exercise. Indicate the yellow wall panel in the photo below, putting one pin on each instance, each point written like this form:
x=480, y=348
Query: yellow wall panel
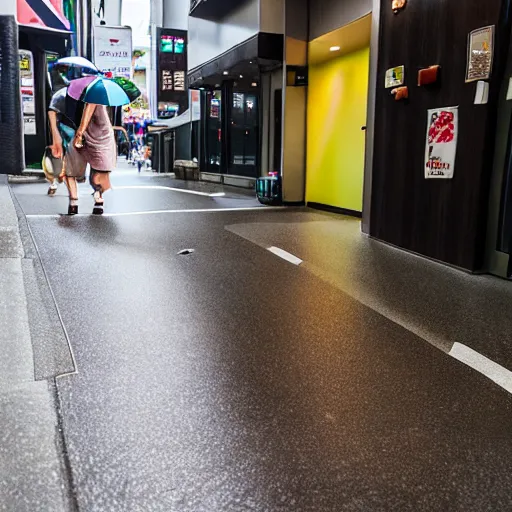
x=337, y=100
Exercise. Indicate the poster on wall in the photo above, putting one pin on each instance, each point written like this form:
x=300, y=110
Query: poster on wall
x=480, y=54
x=113, y=50
x=395, y=77
x=441, y=146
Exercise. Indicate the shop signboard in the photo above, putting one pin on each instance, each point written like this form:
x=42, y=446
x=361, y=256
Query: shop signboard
x=173, y=96
x=113, y=50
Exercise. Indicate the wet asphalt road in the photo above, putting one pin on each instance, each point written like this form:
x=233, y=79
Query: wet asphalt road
x=230, y=380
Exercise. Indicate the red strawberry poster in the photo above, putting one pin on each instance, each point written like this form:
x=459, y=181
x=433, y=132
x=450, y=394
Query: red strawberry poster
x=441, y=148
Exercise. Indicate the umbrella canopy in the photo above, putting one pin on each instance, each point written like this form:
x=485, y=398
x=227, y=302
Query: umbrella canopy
x=98, y=90
x=131, y=90
x=78, y=62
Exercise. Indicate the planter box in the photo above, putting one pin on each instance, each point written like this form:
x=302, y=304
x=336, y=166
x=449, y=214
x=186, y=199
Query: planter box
x=186, y=170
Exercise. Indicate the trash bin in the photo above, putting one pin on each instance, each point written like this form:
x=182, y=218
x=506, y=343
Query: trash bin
x=268, y=190
x=162, y=150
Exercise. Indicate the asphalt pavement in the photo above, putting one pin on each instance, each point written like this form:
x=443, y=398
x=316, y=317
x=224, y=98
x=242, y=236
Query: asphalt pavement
x=229, y=379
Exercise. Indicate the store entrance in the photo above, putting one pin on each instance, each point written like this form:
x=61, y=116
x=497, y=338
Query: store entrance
x=230, y=130
x=337, y=100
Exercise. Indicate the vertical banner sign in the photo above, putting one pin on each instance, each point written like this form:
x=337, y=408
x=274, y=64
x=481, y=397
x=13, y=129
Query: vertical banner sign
x=27, y=92
x=173, y=97
x=441, y=147
x=113, y=50
x=195, y=100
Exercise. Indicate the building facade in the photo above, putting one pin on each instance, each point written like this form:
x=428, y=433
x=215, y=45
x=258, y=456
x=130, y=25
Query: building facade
x=321, y=115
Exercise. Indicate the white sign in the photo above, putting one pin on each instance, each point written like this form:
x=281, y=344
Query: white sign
x=29, y=125
x=441, y=146
x=29, y=105
x=113, y=50
x=195, y=102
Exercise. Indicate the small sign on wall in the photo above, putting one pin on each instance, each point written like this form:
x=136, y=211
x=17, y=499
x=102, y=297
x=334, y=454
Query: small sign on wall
x=441, y=144
x=395, y=77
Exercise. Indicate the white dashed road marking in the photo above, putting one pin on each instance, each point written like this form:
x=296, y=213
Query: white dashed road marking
x=154, y=212
x=172, y=189
x=482, y=364
x=285, y=255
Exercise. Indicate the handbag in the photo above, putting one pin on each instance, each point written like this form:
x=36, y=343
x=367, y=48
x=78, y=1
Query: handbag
x=52, y=167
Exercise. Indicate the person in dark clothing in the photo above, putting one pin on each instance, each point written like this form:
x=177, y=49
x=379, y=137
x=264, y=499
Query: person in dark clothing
x=62, y=114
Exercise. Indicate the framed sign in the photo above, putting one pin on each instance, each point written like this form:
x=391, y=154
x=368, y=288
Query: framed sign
x=480, y=54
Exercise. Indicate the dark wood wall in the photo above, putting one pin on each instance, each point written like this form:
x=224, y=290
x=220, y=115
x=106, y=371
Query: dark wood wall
x=442, y=219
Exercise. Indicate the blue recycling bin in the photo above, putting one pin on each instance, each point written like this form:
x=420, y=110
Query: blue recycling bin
x=268, y=190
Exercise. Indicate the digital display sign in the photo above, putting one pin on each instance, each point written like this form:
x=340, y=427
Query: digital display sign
x=172, y=44
x=172, y=72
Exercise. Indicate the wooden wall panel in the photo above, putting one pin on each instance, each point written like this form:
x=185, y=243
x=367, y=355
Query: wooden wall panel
x=442, y=219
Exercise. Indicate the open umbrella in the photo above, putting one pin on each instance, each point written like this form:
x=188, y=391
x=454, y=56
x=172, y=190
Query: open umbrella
x=98, y=90
x=85, y=65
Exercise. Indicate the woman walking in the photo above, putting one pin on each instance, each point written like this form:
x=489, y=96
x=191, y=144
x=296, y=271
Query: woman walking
x=94, y=144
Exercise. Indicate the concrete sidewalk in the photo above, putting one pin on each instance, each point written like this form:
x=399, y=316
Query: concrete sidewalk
x=32, y=468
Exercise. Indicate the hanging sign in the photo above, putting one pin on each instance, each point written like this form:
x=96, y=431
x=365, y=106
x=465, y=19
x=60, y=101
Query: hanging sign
x=441, y=146
x=480, y=54
x=395, y=77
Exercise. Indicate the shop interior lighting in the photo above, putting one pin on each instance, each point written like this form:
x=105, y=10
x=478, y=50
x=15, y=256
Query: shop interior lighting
x=334, y=49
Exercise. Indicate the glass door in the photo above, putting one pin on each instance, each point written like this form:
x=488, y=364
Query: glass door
x=213, y=131
x=244, y=128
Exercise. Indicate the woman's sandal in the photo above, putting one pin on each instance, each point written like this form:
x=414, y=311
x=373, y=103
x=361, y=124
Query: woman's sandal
x=73, y=207
x=98, y=204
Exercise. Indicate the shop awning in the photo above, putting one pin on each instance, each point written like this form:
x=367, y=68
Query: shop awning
x=44, y=14
x=263, y=51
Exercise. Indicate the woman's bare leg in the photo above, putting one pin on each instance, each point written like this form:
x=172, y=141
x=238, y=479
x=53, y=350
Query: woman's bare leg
x=73, y=195
x=53, y=185
x=100, y=182
x=72, y=188
x=72, y=191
